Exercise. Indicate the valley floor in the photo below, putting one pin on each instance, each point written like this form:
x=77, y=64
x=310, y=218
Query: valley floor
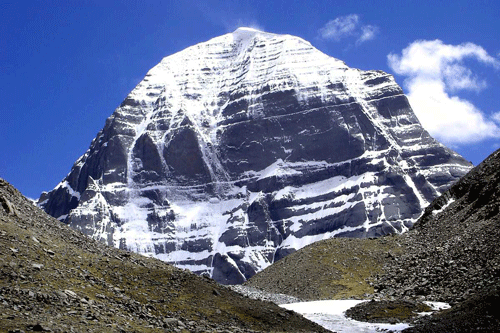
x=331, y=315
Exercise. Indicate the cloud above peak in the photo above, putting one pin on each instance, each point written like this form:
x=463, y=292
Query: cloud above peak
x=435, y=75
x=368, y=32
x=348, y=26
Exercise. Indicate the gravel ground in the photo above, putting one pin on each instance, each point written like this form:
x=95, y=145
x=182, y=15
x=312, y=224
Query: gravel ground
x=255, y=293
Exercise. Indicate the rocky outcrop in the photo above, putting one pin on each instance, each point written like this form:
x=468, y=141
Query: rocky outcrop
x=238, y=151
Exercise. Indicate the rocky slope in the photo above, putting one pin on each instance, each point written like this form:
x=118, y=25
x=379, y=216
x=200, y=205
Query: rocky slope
x=451, y=255
x=237, y=151
x=452, y=252
x=479, y=313
x=55, y=279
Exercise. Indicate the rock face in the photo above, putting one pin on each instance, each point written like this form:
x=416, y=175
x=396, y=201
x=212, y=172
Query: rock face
x=236, y=152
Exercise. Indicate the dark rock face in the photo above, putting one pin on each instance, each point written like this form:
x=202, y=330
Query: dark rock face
x=238, y=151
x=184, y=158
x=151, y=168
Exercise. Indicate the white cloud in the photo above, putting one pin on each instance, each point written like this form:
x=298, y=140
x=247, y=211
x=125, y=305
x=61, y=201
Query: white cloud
x=368, y=32
x=348, y=26
x=496, y=117
x=458, y=77
x=340, y=27
x=435, y=73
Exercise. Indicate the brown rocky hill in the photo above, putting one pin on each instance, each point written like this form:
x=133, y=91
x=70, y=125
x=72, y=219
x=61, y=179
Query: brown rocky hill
x=450, y=255
x=53, y=278
x=336, y=268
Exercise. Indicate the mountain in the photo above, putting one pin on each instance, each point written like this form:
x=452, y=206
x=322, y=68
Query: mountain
x=451, y=254
x=55, y=279
x=237, y=151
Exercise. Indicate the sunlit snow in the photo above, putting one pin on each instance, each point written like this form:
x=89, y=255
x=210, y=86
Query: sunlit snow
x=330, y=315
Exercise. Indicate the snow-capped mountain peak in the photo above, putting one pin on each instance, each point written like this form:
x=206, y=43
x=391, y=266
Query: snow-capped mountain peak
x=237, y=151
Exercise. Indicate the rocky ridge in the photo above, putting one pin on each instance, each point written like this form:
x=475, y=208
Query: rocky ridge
x=452, y=253
x=55, y=279
x=235, y=152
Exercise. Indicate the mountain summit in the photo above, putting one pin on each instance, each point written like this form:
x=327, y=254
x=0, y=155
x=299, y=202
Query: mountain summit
x=237, y=151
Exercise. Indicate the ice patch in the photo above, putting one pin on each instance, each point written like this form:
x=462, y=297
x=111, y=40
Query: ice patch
x=330, y=315
x=437, y=306
x=437, y=211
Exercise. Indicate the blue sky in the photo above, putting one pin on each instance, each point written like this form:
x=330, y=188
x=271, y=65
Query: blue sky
x=66, y=65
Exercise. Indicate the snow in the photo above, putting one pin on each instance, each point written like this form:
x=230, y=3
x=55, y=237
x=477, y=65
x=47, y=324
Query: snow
x=436, y=306
x=297, y=243
x=437, y=211
x=330, y=315
x=206, y=218
x=246, y=33
x=278, y=168
x=67, y=186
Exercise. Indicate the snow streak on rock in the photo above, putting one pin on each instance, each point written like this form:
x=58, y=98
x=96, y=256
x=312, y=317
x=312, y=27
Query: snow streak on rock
x=238, y=151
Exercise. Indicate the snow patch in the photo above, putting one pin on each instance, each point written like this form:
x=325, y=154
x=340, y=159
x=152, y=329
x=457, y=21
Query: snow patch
x=278, y=169
x=69, y=189
x=437, y=211
x=331, y=315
